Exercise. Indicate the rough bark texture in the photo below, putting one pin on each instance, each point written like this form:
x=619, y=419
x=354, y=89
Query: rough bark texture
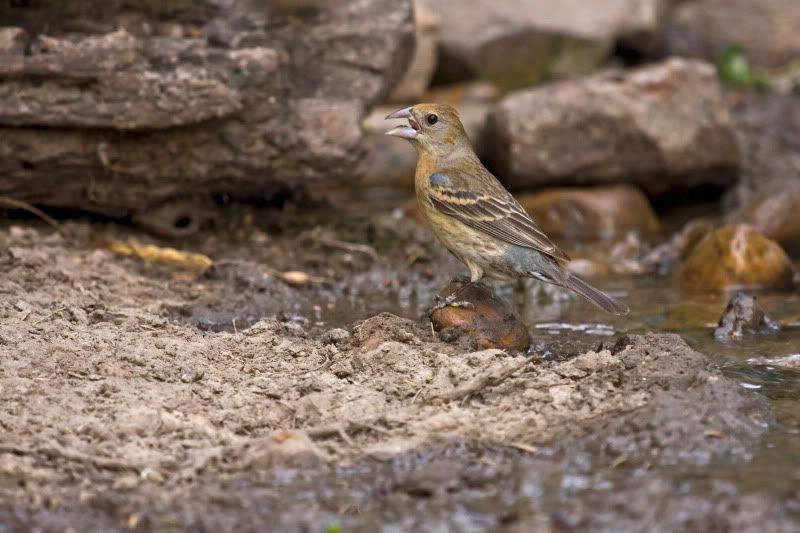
x=118, y=108
x=661, y=127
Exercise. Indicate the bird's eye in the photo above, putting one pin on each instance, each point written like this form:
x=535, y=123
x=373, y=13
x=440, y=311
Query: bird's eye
x=431, y=119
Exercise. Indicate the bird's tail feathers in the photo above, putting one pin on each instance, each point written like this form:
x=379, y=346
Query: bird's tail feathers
x=596, y=296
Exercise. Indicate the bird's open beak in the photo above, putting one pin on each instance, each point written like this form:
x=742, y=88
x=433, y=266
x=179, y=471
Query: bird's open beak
x=406, y=132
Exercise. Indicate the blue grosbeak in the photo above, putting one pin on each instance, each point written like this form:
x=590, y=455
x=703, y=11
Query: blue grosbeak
x=473, y=215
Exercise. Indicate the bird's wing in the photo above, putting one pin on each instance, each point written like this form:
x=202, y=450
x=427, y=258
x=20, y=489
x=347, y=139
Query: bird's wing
x=482, y=203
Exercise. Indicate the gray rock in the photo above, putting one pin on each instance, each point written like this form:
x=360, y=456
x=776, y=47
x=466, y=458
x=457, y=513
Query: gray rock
x=660, y=127
x=743, y=317
x=517, y=43
x=767, y=29
x=260, y=98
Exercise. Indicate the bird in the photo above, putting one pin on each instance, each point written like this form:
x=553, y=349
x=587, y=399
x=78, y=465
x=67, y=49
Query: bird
x=474, y=216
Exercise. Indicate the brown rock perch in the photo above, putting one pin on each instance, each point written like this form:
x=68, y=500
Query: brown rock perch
x=98, y=112
x=488, y=323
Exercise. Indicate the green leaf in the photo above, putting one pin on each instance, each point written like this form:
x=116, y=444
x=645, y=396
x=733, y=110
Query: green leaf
x=735, y=70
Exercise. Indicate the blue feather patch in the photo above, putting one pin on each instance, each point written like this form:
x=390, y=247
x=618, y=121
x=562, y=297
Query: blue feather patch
x=437, y=179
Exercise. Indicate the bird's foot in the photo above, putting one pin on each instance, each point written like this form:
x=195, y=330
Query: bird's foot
x=449, y=301
x=461, y=279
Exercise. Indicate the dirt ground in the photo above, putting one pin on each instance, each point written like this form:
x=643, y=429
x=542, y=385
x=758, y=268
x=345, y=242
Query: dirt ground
x=137, y=396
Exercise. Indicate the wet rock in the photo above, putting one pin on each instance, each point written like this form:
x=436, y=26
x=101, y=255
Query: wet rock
x=517, y=43
x=420, y=71
x=661, y=127
x=488, y=322
x=666, y=256
x=743, y=317
x=776, y=214
x=735, y=257
x=591, y=214
x=390, y=163
x=706, y=28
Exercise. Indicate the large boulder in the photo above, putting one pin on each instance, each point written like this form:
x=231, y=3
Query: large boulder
x=517, y=43
x=768, y=29
x=118, y=111
x=661, y=127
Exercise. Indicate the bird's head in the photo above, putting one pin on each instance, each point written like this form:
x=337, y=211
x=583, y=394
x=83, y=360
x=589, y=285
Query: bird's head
x=432, y=128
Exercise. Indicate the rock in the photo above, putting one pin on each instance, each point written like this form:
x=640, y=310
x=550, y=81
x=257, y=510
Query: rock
x=390, y=163
x=768, y=131
x=420, y=71
x=776, y=215
x=706, y=28
x=743, y=317
x=735, y=257
x=661, y=127
x=591, y=213
x=666, y=256
x=488, y=323
x=256, y=103
x=517, y=43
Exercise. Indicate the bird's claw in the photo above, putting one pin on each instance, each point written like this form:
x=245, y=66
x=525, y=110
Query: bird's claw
x=449, y=301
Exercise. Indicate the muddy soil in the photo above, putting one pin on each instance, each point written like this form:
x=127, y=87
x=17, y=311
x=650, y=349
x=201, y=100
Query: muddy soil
x=137, y=396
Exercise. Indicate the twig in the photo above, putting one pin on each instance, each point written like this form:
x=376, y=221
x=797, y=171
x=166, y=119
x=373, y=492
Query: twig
x=48, y=317
x=484, y=382
x=25, y=206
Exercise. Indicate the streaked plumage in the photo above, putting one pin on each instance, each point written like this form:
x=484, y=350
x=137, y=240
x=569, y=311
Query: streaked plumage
x=473, y=215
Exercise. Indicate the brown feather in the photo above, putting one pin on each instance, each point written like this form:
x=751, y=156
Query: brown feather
x=475, y=197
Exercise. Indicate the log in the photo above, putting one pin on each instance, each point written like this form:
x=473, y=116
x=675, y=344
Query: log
x=247, y=99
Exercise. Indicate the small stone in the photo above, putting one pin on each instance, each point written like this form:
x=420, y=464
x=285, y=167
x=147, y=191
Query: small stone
x=487, y=322
x=335, y=336
x=591, y=213
x=743, y=317
x=736, y=257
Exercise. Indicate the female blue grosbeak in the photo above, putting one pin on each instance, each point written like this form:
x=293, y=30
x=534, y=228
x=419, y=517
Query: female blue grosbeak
x=473, y=215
